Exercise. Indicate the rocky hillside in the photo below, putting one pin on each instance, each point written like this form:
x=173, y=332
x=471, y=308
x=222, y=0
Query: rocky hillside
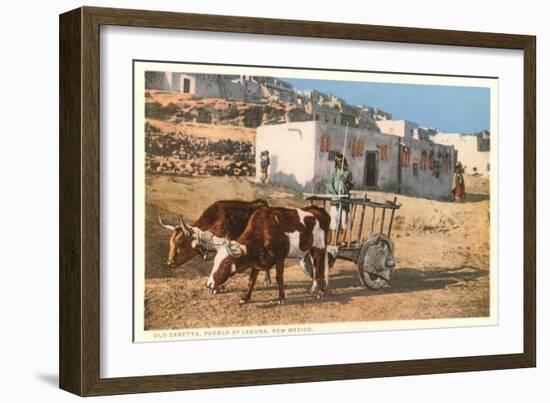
x=186, y=136
x=182, y=154
x=190, y=136
x=178, y=108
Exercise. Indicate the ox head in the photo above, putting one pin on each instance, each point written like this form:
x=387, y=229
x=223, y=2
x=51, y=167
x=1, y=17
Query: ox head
x=227, y=262
x=182, y=243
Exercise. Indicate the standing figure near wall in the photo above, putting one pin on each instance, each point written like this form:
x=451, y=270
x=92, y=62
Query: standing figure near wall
x=458, y=187
x=264, y=165
x=340, y=183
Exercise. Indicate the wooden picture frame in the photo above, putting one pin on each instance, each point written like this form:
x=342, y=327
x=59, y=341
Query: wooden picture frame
x=79, y=348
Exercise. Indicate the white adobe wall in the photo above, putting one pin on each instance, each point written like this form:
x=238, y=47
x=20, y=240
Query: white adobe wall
x=387, y=169
x=323, y=165
x=426, y=184
x=252, y=91
x=324, y=114
x=402, y=128
x=291, y=149
x=395, y=127
x=243, y=91
x=386, y=175
x=174, y=79
x=168, y=81
x=207, y=88
x=158, y=80
x=232, y=91
x=409, y=128
x=468, y=155
x=192, y=83
x=298, y=163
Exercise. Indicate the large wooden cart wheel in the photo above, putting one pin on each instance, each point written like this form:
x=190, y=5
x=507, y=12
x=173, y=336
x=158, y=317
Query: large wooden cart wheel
x=376, y=261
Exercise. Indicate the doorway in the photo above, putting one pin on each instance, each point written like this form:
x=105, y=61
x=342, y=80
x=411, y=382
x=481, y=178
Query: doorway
x=186, y=85
x=370, y=169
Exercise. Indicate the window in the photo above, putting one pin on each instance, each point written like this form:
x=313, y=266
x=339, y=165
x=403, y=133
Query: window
x=424, y=160
x=435, y=169
x=325, y=143
x=384, y=152
x=332, y=155
x=415, y=169
x=405, y=157
x=483, y=144
x=446, y=161
x=357, y=148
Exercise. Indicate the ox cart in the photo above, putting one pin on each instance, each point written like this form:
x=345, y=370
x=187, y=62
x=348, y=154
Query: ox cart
x=371, y=250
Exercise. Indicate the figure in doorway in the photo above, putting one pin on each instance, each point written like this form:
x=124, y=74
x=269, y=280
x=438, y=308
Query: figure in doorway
x=458, y=187
x=340, y=182
x=264, y=165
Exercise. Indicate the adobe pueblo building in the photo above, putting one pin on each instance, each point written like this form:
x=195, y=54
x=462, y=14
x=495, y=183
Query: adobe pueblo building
x=474, y=150
x=241, y=88
x=406, y=161
x=391, y=155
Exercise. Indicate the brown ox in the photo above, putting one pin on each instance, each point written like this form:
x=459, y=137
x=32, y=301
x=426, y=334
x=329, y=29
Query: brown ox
x=272, y=235
x=225, y=218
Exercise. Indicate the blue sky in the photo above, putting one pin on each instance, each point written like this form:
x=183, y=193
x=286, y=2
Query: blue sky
x=448, y=108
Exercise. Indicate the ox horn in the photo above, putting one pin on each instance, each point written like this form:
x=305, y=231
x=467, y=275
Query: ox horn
x=234, y=248
x=167, y=226
x=186, y=229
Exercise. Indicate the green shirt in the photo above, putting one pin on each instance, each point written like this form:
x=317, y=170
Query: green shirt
x=340, y=182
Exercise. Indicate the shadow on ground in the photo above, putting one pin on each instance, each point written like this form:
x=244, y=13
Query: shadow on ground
x=404, y=280
x=476, y=197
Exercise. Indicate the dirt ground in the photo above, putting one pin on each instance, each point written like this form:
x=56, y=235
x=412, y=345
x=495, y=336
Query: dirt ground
x=442, y=263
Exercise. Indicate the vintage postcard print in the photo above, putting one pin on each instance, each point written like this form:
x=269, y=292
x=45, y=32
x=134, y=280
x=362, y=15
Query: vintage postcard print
x=278, y=201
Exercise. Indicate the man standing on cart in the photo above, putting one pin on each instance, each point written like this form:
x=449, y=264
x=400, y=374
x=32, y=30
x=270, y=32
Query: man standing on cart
x=340, y=182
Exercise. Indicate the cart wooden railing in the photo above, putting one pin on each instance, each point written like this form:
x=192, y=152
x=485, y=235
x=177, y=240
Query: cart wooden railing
x=357, y=209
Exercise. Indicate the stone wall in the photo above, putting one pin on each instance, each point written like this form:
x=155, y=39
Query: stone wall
x=183, y=155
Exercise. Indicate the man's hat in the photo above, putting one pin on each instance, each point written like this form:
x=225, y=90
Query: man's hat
x=338, y=157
